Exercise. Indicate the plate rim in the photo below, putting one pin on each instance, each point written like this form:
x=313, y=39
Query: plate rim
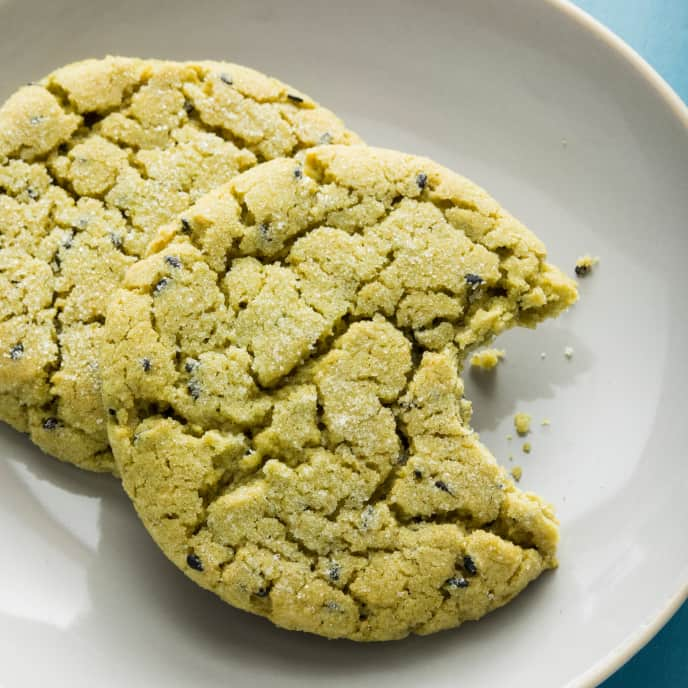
x=616, y=658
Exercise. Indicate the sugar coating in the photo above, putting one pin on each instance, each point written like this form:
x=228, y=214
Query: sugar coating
x=92, y=160
x=487, y=359
x=298, y=442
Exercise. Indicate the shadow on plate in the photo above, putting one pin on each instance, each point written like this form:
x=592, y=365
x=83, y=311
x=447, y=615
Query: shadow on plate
x=524, y=376
x=149, y=614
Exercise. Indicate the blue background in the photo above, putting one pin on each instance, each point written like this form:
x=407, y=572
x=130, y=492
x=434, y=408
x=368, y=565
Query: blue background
x=658, y=30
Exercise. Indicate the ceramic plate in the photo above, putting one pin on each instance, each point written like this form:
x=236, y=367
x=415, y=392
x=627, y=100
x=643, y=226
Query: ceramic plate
x=576, y=136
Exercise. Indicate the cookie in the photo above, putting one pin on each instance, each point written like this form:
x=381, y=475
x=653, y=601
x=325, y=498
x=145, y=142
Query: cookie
x=281, y=375
x=92, y=159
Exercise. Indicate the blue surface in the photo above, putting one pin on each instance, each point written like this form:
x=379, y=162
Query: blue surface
x=658, y=30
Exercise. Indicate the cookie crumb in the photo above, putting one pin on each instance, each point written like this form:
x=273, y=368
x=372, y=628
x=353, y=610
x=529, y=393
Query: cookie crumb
x=546, y=421
x=527, y=447
x=487, y=359
x=585, y=264
x=522, y=423
x=543, y=355
x=516, y=473
x=568, y=352
x=509, y=438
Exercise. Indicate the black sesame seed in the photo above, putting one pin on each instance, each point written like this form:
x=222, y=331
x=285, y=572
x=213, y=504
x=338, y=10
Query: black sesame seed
x=188, y=107
x=146, y=365
x=417, y=474
x=116, y=240
x=326, y=139
x=17, y=351
x=160, y=286
x=367, y=514
x=67, y=243
x=294, y=99
x=261, y=592
x=50, y=423
x=298, y=173
x=226, y=79
x=173, y=261
x=469, y=565
x=194, y=562
x=264, y=228
x=36, y=119
x=191, y=365
x=32, y=193
x=334, y=571
x=473, y=280
x=332, y=606
x=186, y=225
x=194, y=388
x=422, y=180
x=456, y=583
x=441, y=485
x=582, y=270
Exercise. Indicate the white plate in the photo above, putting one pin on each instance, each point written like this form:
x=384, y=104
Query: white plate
x=580, y=139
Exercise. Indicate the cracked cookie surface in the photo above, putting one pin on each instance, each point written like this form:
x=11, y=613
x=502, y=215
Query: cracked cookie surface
x=93, y=158
x=281, y=374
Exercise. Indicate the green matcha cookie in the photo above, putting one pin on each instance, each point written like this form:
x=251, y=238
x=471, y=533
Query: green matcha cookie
x=284, y=403
x=92, y=160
